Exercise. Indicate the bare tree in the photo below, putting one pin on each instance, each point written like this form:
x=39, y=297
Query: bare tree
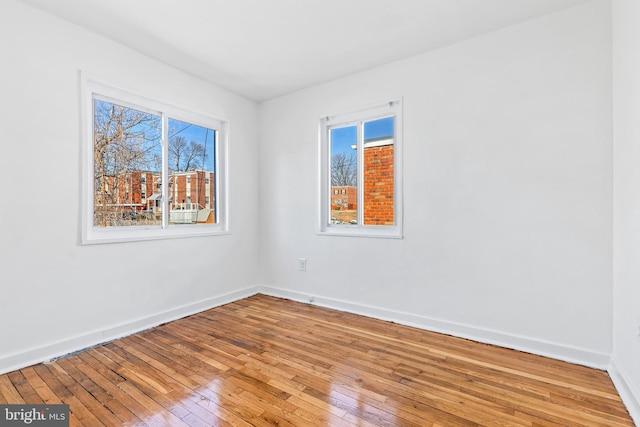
x=185, y=156
x=125, y=141
x=343, y=170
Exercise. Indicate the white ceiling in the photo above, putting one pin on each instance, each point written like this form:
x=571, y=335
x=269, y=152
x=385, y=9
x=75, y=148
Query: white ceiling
x=262, y=49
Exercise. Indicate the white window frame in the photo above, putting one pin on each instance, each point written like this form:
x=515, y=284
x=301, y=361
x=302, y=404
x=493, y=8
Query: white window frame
x=92, y=88
x=325, y=227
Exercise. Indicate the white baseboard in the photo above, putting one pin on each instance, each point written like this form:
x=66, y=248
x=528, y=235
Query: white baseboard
x=51, y=351
x=555, y=351
x=570, y=354
x=629, y=396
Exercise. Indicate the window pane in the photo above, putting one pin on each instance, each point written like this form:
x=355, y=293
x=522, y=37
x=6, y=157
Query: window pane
x=127, y=165
x=344, y=175
x=378, y=185
x=192, y=184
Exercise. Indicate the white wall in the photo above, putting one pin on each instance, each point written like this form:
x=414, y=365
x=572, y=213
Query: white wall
x=626, y=297
x=508, y=187
x=56, y=295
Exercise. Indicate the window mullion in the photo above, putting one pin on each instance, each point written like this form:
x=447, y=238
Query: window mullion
x=360, y=172
x=165, y=171
x=216, y=175
x=326, y=170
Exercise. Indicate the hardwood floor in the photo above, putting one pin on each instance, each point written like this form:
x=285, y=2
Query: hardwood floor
x=264, y=361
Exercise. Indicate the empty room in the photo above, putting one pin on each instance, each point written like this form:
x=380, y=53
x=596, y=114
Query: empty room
x=303, y=213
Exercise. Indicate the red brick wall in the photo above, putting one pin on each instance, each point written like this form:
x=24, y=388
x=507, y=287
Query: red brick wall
x=180, y=181
x=378, y=185
x=138, y=186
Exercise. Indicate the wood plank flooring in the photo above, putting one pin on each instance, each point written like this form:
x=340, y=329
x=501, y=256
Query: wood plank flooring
x=264, y=361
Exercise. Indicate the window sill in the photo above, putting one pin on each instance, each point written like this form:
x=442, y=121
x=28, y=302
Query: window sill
x=95, y=237
x=372, y=232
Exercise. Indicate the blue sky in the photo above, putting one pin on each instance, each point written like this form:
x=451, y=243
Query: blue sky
x=196, y=133
x=151, y=130
x=343, y=138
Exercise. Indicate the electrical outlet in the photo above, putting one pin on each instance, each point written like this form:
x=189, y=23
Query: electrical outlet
x=302, y=264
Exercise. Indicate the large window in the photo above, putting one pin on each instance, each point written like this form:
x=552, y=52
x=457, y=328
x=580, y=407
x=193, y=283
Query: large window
x=151, y=170
x=360, y=172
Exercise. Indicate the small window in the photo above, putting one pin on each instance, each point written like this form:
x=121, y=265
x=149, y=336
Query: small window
x=130, y=139
x=361, y=158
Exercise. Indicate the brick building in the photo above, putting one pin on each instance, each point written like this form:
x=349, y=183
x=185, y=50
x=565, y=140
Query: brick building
x=378, y=191
x=141, y=193
x=344, y=198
